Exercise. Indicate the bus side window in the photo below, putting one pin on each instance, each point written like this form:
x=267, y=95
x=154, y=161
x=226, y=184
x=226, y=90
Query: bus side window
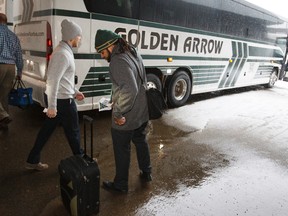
x=123, y=8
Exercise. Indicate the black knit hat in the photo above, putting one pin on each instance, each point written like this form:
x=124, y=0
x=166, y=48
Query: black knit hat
x=104, y=39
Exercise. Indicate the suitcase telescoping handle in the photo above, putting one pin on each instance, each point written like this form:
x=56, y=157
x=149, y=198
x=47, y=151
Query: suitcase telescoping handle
x=90, y=120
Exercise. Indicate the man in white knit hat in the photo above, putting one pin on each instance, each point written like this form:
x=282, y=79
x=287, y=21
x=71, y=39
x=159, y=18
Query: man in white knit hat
x=60, y=93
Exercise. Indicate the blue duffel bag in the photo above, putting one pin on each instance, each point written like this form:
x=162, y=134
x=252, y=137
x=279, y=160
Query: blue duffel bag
x=19, y=95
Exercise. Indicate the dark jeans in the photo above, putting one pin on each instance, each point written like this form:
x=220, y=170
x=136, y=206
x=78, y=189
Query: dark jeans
x=67, y=115
x=122, y=149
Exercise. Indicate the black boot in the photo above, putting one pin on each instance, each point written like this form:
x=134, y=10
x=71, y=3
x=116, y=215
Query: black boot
x=110, y=186
x=146, y=176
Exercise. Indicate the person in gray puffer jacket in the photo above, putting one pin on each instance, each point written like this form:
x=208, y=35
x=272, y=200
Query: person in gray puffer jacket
x=130, y=111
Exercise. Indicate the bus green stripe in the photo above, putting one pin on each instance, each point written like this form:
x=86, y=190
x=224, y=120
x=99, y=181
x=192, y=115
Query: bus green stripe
x=114, y=19
x=91, y=56
x=97, y=93
x=97, y=82
x=263, y=52
x=95, y=56
x=205, y=82
x=235, y=69
x=244, y=59
x=85, y=15
x=162, y=57
x=263, y=71
x=95, y=88
x=87, y=56
x=206, y=74
x=209, y=67
x=36, y=53
x=230, y=65
x=259, y=60
x=60, y=12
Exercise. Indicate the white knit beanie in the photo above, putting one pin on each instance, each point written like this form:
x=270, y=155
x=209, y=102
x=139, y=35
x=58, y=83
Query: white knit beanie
x=70, y=30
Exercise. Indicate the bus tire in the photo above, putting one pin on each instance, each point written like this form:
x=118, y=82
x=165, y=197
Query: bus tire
x=153, y=81
x=179, y=89
x=273, y=79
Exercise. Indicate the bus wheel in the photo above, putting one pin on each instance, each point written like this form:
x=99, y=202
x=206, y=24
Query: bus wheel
x=154, y=82
x=179, y=89
x=273, y=79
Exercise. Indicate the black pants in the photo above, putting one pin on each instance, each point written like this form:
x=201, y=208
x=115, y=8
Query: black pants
x=122, y=149
x=67, y=115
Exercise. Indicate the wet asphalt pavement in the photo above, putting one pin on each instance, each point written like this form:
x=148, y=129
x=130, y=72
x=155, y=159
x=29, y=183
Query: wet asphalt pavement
x=221, y=154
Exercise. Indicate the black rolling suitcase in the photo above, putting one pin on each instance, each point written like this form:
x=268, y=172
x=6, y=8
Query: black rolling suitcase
x=80, y=180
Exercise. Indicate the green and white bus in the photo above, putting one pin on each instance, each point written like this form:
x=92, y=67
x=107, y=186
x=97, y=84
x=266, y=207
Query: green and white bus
x=188, y=46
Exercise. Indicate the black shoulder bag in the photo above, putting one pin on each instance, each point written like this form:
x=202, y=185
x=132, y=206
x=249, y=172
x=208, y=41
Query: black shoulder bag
x=156, y=103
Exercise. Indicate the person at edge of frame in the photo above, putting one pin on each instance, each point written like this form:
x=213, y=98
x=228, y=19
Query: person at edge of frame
x=10, y=55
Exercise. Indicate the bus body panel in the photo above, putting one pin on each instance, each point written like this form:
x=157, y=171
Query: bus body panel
x=213, y=61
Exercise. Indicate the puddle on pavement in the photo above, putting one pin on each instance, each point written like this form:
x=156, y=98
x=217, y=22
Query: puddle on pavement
x=160, y=133
x=179, y=161
x=177, y=164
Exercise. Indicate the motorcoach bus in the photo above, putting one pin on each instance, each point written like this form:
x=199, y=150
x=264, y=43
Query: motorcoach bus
x=188, y=46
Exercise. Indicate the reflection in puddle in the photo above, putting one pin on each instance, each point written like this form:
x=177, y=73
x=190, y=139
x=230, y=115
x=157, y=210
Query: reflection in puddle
x=156, y=128
x=242, y=188
x=180, y=164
